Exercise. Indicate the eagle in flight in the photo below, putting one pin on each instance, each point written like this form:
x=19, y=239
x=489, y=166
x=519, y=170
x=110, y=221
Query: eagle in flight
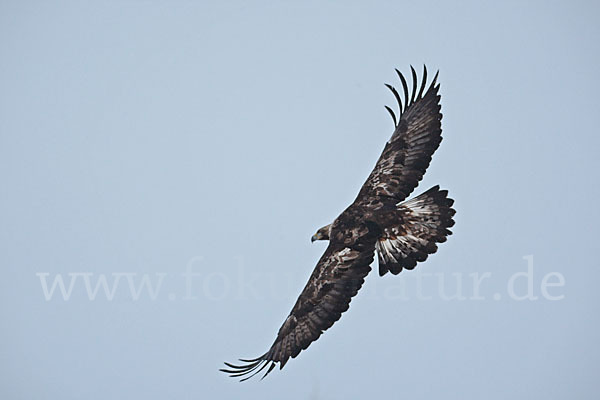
x=380, y=221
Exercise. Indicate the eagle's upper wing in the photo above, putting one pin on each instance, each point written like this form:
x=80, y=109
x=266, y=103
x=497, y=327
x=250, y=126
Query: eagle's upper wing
x=408, y=153
x=338, y=276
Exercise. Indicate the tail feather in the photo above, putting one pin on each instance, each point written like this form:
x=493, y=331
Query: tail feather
x=425, y=222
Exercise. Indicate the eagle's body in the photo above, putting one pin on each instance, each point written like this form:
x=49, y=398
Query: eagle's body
x=401, y=232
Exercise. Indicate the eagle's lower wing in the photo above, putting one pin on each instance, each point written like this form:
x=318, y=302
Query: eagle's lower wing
x=337, y=278
x=408, y=153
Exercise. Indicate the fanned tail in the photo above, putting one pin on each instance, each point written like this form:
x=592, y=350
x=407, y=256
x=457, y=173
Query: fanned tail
x=426, y=220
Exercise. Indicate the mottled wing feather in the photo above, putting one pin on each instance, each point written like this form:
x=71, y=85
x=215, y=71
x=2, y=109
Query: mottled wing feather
x=408, y=153
x=338, y=276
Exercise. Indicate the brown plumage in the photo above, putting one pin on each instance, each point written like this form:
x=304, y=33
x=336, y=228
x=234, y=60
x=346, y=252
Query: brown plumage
x=402, y=232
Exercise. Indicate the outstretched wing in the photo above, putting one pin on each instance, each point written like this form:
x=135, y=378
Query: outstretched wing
x=408, y=153
x=338, y=276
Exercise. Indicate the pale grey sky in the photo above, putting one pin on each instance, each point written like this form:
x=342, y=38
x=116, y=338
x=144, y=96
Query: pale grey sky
x=147, y=139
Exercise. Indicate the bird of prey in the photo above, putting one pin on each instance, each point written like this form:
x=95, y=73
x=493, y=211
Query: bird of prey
x=380, y=220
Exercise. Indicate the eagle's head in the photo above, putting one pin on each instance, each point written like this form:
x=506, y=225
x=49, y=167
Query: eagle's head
x=322, y=234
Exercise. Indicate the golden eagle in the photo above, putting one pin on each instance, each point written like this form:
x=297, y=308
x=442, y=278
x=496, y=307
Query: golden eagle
x=401, y=232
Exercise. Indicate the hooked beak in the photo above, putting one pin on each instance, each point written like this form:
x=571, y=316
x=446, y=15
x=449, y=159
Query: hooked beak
x=314, y=237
